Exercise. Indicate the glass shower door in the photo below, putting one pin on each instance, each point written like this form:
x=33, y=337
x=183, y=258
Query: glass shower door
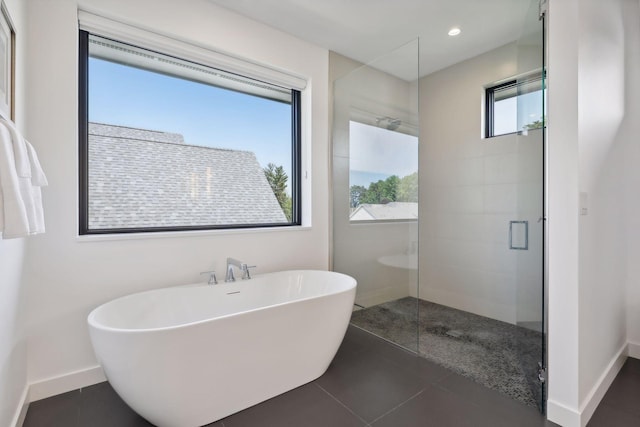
x=481, y=232
x=526, y=237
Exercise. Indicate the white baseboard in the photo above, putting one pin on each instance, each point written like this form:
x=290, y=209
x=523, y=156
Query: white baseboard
x=634, y=350
x=598, y=391
x=64, y=383
x=562, y=415
x=569, y=417
x=556, y=412
x=21, y=410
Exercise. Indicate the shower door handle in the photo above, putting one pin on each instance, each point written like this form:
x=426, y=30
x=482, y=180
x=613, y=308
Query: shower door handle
x=519, y=235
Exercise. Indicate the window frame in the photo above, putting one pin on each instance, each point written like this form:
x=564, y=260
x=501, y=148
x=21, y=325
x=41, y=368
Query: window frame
x=489, y=98
x=83, y=159
x=489, y=110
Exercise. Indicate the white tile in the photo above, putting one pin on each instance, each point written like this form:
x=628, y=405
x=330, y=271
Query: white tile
x=529, y=262
x=500, y=259
x=500, y=145
x=496, y=228
x=463, y=199
x=529, y=299
x=428, y=225
x=468, y=171
x=530, y=166
x=500, y=198
x=461, y=254
x=432, y=169
x=499, y=288
x=340, y=142
x=456, y=280
x=460, y=226
x=501, y=169
x=466, y=147
x=529, y=197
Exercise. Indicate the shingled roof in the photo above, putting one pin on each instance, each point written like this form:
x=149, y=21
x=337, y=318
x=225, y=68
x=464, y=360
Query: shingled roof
x=142, y=178
x=392, y=210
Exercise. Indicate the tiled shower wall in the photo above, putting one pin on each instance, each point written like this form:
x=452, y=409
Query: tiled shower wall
x=471, y=187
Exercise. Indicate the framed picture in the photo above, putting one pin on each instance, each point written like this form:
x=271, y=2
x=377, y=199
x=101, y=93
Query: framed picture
x=7, y=63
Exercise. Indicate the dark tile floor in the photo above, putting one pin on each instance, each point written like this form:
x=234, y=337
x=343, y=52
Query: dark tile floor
x=620, y=406
x=369, y=383
x=496, y=354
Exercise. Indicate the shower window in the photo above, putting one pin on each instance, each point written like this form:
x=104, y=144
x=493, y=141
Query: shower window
x=514, y=106
x=383, y=172
x=168, y=144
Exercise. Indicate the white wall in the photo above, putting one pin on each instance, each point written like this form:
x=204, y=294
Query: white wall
x=563, y=212
x=471, y=187
x=602, y=145
x=69, y=276
x=630, y=129
x=13, y=342
x=593, y=281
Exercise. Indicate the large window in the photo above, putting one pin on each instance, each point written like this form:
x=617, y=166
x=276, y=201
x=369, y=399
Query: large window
x=167, y=144
x=383, y=172
x=515, y=106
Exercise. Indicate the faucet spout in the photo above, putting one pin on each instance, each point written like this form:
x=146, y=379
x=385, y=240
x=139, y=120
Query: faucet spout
x=232, y=262
x=243, y=267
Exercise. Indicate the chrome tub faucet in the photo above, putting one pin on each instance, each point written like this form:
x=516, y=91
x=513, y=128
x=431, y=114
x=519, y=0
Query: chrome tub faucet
x=243, y=267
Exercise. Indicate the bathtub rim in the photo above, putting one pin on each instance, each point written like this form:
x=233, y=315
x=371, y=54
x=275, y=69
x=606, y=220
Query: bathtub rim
x=92, y=323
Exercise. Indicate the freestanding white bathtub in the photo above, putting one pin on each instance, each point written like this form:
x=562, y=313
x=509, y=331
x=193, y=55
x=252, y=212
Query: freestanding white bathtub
x=189, y=355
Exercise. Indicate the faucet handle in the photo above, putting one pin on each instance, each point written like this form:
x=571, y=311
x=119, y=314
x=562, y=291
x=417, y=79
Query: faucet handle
x=245, y=271
x=213, y=280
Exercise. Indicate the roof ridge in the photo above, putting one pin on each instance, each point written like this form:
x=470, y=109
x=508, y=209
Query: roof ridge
x=183, y=143
x=134, y=128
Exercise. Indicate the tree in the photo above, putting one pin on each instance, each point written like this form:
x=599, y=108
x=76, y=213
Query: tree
x=277, y=178
x=538, y=124
x=372, y=195
x=389, y=189
x=408, y=188
x=383, y=191
x=392, y=189
x=356, y=194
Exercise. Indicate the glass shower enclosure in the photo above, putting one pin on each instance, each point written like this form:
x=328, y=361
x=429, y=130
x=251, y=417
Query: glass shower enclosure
x=375, y=191
x=438, y=204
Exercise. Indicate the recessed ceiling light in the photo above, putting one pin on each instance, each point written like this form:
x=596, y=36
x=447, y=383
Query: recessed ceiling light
x=454, y=31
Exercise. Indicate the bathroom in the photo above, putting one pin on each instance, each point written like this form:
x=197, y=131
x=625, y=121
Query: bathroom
x=51, y=282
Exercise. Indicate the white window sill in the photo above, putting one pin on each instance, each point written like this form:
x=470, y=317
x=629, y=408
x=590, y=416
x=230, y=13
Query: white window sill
x=182, y=234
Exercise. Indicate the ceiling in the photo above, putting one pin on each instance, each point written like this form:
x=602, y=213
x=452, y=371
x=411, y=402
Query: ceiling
x=368, y=29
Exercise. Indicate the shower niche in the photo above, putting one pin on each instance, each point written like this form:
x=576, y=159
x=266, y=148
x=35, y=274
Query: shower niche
x=440, y=222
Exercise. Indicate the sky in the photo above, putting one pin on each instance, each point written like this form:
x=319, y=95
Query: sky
x=210, y=116
x=203, y=114
x=377, y=153
x=513, y=114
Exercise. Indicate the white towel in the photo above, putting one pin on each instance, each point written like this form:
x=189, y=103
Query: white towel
x=14, y=221
x=21, y=177
x=38, y=178
x=23, y=168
